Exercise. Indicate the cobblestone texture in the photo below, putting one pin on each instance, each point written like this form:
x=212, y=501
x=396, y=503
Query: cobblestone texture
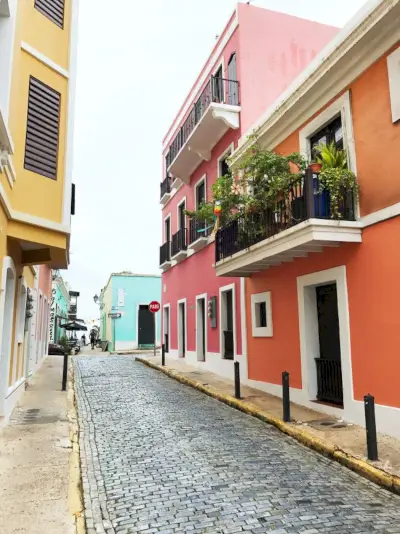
x=159, y=457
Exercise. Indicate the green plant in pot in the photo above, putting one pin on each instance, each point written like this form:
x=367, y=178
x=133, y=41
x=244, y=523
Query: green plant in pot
x=335, y=177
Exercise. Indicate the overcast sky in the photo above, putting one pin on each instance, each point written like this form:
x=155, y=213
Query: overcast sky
x=136, y=62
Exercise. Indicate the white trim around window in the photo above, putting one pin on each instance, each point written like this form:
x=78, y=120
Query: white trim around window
x=340, y=107
x=166, y=307
x=199, y=338
x=182, y=201
x=393, y=65
x=170, y=227
x=256, y=329
x=228, y=151
x=181, y=353
x=196, y=185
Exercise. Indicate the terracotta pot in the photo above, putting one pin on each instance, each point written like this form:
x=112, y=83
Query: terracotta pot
x=294, y=168
x=315, y=167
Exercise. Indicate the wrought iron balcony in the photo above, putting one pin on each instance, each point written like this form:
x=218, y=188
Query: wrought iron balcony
x=215, y=111
x=179, y=245
x=300, y=224
x=198, y=234
x=165, y=256
x=165, y=189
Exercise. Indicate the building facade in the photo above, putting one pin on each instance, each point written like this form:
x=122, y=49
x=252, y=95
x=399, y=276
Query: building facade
x=256, y=57
x=37, y=76
x=125, y=320
x=321, y=293
x=59, y=308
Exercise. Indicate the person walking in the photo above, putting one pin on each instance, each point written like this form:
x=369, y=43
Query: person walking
x=92, y=338
x=83, y=339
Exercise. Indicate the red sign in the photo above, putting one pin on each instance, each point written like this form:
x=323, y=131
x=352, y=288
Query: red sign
x=154, y=306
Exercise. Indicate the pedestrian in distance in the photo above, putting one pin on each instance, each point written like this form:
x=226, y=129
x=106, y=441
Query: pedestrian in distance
x=83, y=339
x=92, y=338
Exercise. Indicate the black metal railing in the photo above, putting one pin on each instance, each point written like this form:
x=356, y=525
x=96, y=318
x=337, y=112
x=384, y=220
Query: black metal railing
x=217, y=90
x=165, y=252
x=165, y=186
x=228, y=339
x=304, y=201
x=179, y=241
x=329, y=381
x=198, y=229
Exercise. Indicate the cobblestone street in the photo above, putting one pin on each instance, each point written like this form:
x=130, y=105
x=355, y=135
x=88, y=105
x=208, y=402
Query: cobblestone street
x=160, y=457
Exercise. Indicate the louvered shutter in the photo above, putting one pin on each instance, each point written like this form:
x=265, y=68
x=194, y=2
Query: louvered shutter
x=42, y=131
x=52, y=9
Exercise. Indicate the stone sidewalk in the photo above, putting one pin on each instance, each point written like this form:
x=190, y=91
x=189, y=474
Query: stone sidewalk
x=36, y=469
x=351, y=439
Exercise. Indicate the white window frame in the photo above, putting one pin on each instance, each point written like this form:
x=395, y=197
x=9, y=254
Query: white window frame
x=393, y=66
x=229, y=150
x=261, y=331
x=222, y=319
x=170, y=227
x=196, y=185
x=182, y=201
x=340, y=107
x=165, y=307
x=221, y=64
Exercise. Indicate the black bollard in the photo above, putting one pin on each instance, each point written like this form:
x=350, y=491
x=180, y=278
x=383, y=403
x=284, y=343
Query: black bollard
x=65, y=372
x=237, y=380
x=370, y=426
x=163, y=354
x=286, y=397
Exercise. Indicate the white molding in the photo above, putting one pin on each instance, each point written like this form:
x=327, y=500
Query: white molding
x=308, y=329
x=179, y=327
x=168, y=216
x=259, y=331
x=44, y=59
x=202, y=296
x=207, y=69
x=381, y=215
x=69, y=148
x=5, y=359
x=222, y=290
x=182, y=200
x=227, y=113
x=165, y=307
x=393, y=65
x=345, y=57
x=243, y=318
x=229, y=150
x=196, y=185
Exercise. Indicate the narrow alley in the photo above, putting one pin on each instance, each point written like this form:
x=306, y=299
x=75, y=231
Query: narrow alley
x=160, y=457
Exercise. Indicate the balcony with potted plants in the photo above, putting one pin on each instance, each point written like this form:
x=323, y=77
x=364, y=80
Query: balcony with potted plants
x=215, y=112
x=281, y=208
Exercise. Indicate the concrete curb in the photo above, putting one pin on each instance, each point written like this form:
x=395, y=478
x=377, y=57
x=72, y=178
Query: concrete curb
x=362, y=467
x=75, y=499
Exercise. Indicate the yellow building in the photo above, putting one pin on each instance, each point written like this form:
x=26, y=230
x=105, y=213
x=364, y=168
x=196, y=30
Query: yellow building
x=38, y=40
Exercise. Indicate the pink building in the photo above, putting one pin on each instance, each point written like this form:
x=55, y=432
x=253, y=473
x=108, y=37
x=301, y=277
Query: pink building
x=255, y=59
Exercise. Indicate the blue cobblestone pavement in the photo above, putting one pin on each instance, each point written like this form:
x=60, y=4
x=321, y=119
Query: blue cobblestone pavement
x=160, y=457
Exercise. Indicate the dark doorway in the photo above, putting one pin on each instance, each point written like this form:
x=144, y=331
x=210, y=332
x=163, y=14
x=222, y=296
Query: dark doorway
x=146, y=326
x=329, y=369
x=228, y=330
x=233, y=96
x=182, y=330
x=201, y=330
x=167, y=230
x=182, y=216
x=166, y=329
x=200, y=194
x=218, y=86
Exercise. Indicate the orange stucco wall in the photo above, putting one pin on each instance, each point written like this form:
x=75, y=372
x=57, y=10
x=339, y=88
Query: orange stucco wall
x=377, y=139
x=373, y=285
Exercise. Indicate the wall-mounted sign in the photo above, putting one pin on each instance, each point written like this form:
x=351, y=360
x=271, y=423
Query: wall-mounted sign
x=154, y=306
x=114, y=315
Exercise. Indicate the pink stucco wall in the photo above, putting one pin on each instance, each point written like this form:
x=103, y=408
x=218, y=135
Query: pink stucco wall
x=45, y=280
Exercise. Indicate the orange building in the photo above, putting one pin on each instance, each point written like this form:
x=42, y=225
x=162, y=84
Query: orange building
x=322, y=294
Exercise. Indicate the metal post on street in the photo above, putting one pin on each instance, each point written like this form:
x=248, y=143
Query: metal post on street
x=237, y=380
x=155, y=333
x=163, y=354
x=370, y=426
x=285, y=397
x=65, y=372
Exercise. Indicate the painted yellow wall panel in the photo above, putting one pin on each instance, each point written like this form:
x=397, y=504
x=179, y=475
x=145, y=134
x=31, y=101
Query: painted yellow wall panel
x=42, y=34
x=29, y=276
x=3, y=237
x=36, y=234
x=32, y=193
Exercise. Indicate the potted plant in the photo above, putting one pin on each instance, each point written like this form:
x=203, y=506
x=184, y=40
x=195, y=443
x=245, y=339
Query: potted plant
x=335, y=180
x=315, y=167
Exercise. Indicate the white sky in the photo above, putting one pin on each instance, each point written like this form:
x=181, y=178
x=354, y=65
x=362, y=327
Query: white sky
x=136, y=62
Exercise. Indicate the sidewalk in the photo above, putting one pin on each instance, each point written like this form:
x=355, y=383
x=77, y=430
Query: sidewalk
x=35, y=458
x=346, y=443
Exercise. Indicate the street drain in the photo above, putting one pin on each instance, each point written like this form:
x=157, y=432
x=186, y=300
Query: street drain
x=328, y=424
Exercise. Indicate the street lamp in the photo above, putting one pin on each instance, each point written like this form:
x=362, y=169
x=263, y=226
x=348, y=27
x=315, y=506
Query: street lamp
x=96, y=298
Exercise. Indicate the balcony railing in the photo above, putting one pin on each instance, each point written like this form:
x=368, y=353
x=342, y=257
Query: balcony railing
x=329, y=381
x=179, y=241
x=198, y=229
x=165, y=252
x=165, y=186
x=217, y=90
x=304, y=201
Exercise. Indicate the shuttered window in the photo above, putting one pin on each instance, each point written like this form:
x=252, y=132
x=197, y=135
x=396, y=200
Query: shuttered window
x=42, y=131
x=52, y=9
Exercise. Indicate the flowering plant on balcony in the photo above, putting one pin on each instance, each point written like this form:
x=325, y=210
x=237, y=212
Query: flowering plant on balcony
x=336, y=177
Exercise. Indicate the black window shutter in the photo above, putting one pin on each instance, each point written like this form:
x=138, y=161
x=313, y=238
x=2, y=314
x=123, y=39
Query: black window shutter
x=73, y=200
x=52, y=9
x=42, y=131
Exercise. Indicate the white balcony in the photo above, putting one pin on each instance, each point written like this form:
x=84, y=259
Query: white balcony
x=4, y=8
x=216, y=112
